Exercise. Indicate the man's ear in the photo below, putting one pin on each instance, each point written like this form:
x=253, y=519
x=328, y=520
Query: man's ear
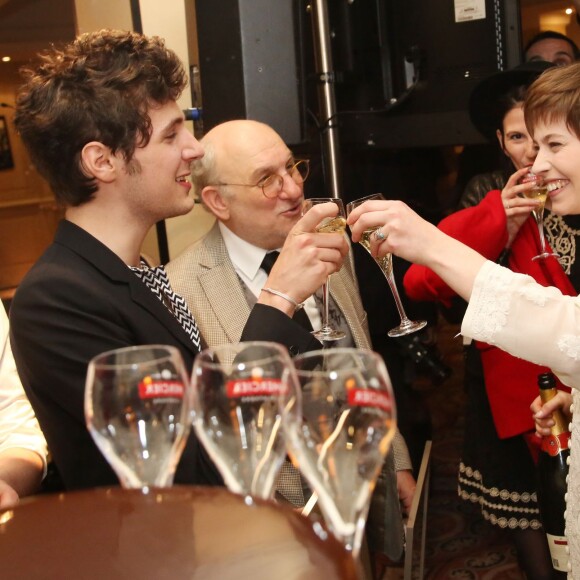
x=216, y=202
x=98, y=161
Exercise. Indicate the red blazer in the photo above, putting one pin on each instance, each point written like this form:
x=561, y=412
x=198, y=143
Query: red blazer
x=511, y=383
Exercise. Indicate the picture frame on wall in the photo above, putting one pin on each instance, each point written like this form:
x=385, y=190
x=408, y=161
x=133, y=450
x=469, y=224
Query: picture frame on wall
x=6, y=160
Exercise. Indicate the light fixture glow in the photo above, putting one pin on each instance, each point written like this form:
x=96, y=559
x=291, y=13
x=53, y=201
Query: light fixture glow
x=6, y=59
x=569, y=10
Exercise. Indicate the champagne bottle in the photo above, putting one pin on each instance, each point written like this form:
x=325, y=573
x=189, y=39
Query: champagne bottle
x=552, y=472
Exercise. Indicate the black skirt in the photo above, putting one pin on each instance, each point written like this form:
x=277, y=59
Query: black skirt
x=498, y=474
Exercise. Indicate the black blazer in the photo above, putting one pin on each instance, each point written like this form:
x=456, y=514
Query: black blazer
x=81, y=299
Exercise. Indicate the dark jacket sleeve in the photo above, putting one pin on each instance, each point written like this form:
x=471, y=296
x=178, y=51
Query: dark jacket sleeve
x=62, y=316
x=269, y=323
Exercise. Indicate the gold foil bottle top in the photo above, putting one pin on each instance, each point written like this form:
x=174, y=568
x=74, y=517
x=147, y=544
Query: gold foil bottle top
x=547, y=385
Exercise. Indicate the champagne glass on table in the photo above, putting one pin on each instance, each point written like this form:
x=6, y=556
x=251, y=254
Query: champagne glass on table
x=386, y=265
x=235, y=400
x=539, y=192
x=137, y=408
x=339, y=418
x=331, y=225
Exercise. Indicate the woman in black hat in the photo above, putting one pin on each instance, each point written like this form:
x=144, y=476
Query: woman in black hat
x=497, y=468
x=495, y=109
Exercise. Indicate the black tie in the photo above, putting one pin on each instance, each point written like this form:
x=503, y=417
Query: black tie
x=299, y=315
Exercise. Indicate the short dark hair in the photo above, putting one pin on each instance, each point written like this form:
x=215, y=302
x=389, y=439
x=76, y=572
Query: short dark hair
x=551, y=34
x=553, y=97
x=97, y=88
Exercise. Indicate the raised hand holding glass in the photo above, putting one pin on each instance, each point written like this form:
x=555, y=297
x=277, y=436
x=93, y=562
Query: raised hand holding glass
x=331, y=225
x=386, y=265
x=539, y=192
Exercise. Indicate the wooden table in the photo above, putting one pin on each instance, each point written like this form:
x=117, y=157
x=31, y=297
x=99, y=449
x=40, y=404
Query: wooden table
x=171, y=533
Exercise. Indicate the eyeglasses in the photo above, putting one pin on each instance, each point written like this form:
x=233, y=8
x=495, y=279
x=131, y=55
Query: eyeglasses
x=272, y=185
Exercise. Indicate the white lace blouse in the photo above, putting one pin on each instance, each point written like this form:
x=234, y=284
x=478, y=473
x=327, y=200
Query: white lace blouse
x=541, y=325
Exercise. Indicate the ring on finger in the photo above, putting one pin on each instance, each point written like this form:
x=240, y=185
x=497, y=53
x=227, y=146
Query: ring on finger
x=379, y=236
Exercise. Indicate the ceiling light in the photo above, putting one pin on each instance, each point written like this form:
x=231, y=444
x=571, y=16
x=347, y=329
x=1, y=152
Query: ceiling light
x=6, y=59
x=569, y=11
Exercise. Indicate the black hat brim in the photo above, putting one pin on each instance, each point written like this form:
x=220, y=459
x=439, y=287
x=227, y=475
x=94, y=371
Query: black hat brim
x=484, y=98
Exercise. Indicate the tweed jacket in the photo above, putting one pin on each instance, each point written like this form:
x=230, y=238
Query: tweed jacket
x=205, y=276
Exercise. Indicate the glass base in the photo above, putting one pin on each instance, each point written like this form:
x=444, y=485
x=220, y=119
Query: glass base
x=406, y=327
x=544, y=256
x=328, y=334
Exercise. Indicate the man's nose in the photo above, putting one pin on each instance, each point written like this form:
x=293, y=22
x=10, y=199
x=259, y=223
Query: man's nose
x=290, y=188
x=193, y=149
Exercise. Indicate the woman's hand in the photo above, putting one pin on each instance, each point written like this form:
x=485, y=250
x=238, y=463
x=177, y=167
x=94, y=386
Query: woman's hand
x=517, y=207
x=543, y=412
x=397, y=229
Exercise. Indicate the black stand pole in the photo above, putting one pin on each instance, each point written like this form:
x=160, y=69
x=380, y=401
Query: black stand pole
x=326, y=96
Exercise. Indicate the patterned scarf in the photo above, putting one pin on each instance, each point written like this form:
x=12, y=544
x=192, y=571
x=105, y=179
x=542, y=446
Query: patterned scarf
x=156, y=280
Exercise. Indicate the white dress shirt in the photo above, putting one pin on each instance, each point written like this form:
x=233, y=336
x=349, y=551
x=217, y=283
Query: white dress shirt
x=18, y=425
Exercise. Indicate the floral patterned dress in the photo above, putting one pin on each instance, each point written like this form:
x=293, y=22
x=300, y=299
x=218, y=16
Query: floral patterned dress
x=541, y=325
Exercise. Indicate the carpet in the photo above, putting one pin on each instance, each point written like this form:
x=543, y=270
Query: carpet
x=460, y=543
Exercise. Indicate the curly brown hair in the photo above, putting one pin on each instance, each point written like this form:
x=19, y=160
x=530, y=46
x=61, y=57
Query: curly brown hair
x=98, y=88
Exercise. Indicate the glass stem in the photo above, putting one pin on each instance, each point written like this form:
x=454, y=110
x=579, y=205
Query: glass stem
x=395, y=292
x=325, y=299
x=387, y=270
x=352, y=541
x=540, y=221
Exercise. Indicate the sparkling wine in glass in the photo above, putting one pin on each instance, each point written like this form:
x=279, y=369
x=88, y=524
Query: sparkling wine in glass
x=330, y=225
x=138, y=411
x=235, y=399
x=386, y=265
x=539, y=192
x=339, y=418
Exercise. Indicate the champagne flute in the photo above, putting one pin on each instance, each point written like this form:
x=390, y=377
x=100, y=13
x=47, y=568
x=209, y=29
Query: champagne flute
x=339, y=418
x=137, y=408
x=331, y=225
x=386, y=265
x=235, y=400
x=539, y=192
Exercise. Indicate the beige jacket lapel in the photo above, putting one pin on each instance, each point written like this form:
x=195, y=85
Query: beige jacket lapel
x=205, y=276
x=344, y=291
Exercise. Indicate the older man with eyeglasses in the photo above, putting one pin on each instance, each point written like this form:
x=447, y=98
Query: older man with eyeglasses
x=251, y=182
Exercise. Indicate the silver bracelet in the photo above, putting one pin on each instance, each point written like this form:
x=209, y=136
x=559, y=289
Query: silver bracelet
x=296, y=305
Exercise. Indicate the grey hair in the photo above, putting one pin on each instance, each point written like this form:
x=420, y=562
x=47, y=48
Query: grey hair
x=204, y=173
x=203, y=169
